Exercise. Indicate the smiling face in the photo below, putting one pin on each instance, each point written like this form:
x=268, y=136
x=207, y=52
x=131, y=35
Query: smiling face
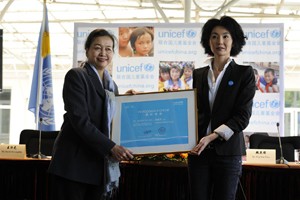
x=268, y=77
x=220, y=42
x=188, y=72
x=175, y=73
x=100, y=52
x=165, y=76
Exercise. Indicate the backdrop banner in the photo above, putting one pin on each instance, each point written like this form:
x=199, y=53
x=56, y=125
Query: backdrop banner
x=146, y=54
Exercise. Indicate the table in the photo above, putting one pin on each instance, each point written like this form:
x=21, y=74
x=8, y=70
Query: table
x=270, y=181
x=153, y=181
x=28, y=179
x=22, y=179
x=258, y=181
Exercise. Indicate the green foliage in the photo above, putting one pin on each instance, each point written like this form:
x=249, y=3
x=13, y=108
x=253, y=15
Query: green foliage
x=292, y=99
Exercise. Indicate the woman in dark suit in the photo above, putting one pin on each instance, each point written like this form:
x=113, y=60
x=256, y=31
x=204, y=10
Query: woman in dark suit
x=225, y=92
x=83, y=151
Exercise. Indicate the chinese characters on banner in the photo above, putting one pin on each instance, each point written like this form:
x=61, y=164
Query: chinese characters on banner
x=150, y=57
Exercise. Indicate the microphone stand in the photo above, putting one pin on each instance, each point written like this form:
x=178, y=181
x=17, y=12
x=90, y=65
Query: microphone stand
x=281, y=160
x=39, y=155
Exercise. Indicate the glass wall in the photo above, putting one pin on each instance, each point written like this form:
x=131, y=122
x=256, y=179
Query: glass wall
x=5, y=101
x=292, y=113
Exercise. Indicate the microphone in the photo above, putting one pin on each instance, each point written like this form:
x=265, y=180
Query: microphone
x=281, y=160
x=39, y=155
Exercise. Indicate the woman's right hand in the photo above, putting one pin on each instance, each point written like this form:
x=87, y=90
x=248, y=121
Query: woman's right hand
x=131, y=91
x=121, y=153
x=203, y=143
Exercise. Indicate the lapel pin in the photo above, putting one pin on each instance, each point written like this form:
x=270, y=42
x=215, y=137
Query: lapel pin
x=230, y=83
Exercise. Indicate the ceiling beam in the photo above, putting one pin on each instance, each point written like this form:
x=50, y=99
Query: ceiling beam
x=161, y=12
x=225, y=7
x=5, y=9
x=187, y=11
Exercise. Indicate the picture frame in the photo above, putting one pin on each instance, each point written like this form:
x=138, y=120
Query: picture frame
x=156, y=122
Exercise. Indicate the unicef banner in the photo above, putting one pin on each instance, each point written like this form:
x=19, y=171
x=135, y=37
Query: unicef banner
x=148, y=54
x=151, y=57
x=264, y=52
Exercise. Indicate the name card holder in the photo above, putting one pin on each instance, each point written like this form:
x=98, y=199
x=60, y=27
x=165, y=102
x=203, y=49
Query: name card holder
x=264, y=156
x=12, y=151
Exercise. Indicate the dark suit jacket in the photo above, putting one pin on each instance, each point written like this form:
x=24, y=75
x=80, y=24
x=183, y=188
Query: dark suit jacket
x=83, y=142
x=232, y=105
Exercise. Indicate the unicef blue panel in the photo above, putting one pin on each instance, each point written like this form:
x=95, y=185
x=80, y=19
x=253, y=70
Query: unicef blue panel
x=154, y=123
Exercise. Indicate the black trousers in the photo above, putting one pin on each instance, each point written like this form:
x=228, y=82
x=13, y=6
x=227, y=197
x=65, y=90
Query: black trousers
x=64, y=189
x=214, y=177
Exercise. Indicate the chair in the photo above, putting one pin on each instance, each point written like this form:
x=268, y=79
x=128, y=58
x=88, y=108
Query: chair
x=31, y=139
x=289, y=144
x=262, y=133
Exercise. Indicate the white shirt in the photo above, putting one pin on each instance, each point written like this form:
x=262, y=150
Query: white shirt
x=224, y=131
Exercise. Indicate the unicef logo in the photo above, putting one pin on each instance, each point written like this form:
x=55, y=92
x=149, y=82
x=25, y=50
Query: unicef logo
x=149, y=67
x=275, y=34
x=161, y=130
x=274, y=104
x=191, y=33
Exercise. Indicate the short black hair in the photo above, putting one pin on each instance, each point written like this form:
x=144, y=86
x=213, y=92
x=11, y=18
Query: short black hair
x=234, y=28
x=272, y=71
x=98, y=33
x=189, y=65
x=164, y=68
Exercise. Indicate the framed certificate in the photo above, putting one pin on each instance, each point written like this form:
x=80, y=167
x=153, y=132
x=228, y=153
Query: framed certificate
x=159, y=122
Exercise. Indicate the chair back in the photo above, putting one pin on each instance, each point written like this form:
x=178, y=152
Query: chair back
x=31, y=139
x=289, y=144
x=262, y=133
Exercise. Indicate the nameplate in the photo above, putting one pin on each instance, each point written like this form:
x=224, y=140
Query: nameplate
x=12, y=151
x=267, y=156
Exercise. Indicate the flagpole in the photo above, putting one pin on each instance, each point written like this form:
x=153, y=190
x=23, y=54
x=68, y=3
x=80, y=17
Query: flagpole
x=40, y=72
x=38, y=119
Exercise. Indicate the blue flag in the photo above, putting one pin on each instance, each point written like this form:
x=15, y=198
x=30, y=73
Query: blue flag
x=41, y=95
